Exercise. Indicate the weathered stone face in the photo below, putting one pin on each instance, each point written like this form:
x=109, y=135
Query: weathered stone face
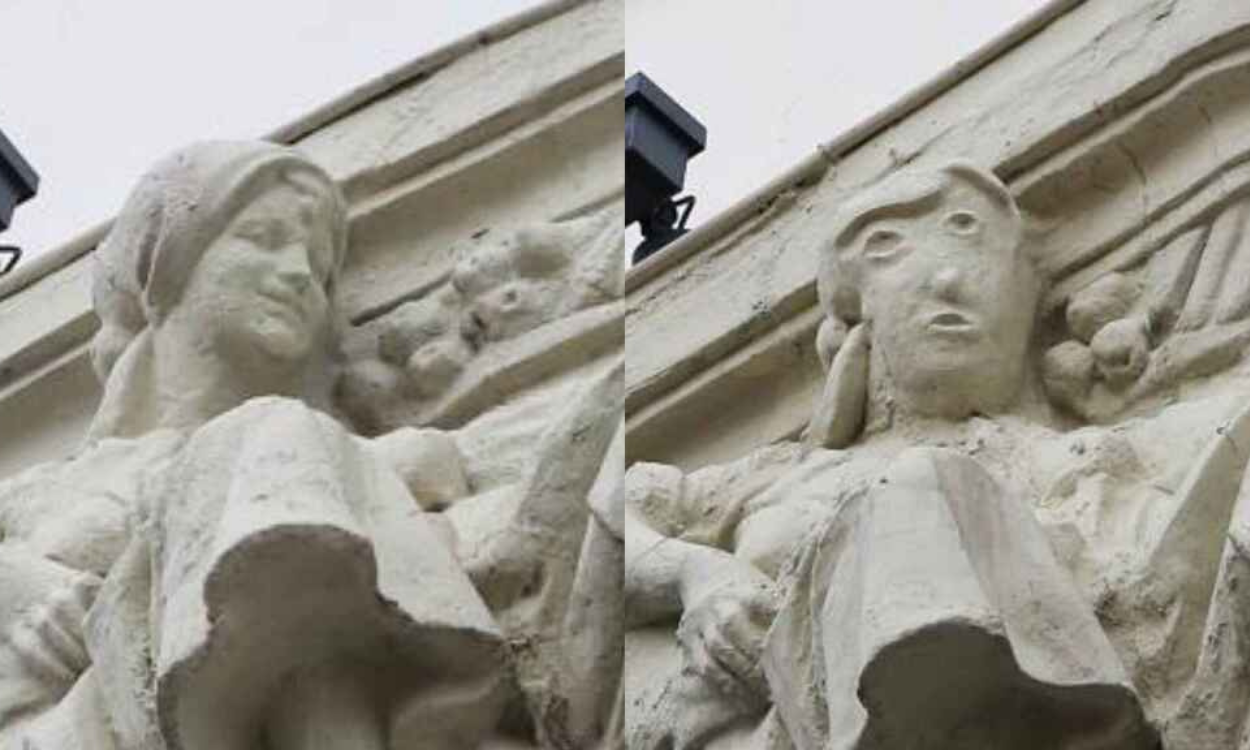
x=1004, y=505
x=949, y=297
x=992, y=475
x=225, y=565
x=261, y=288
x=278, y=577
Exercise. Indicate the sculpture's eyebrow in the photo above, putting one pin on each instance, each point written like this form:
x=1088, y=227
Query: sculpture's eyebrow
x=254, y=226
x=900, y=206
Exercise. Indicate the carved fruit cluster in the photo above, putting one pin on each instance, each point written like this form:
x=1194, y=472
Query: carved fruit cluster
x=1111, y=344
x=498, y=290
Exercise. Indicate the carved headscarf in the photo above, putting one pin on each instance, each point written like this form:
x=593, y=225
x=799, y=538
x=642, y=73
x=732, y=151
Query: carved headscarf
x=142, y=267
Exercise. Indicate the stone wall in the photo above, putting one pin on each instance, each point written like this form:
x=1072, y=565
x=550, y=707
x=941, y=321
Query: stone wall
x=1082, y=497
x=1118, y=130
x=1114, y=123
x=518, y=124
x=354, y=472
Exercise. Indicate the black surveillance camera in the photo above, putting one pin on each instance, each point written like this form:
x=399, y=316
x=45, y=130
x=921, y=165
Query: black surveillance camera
x=18, y=181
x=660, y=137
x=18, y=184
x=9, y=256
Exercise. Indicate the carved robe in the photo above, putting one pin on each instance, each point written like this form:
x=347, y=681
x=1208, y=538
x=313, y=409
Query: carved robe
x=931, y=612
x=265, y=540
x=1136, y=595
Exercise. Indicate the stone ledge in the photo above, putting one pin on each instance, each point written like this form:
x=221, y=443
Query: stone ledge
x=1087, y=68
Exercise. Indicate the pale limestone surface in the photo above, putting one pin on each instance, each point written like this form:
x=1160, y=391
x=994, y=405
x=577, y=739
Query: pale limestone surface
x=850, y=535
x=849, y=527
x=516, y=126
x=500, y=152
x=943, y=562
x=225, y=566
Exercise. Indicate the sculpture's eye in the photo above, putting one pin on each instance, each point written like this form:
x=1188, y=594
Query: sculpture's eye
x=265, y=234
x=962, y=222
x=883, y=244
x=254, y=232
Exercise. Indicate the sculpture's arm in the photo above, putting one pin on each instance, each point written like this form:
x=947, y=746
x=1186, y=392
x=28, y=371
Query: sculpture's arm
x=594, y=627
x=665, y=577
x=654, y=566
x=62, y=528
x=725, y=605
x=538, y=552
x=681, y=528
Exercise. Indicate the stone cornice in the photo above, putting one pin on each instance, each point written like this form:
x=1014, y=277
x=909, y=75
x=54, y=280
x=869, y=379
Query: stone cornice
x=1073, y=95
x=514, y=125
x=336, y=109
x=386, y=141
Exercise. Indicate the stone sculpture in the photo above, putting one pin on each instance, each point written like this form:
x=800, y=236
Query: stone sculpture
x=944, y=560
x=524, y=318
x=1136, y=335
x=511, y=307
x=224, y=565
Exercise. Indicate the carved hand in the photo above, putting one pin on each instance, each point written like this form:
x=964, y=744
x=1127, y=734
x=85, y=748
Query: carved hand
x=729, y=606
x=43, y=640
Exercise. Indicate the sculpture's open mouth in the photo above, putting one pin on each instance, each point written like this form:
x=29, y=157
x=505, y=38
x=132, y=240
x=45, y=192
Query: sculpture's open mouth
x=952, y=322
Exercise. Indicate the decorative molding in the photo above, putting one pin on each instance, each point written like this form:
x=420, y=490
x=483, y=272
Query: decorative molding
x=420, y=151
x=1101, y=92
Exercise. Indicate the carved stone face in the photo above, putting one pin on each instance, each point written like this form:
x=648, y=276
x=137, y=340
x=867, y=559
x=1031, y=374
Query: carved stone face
x=950, y=300
x=260, y=288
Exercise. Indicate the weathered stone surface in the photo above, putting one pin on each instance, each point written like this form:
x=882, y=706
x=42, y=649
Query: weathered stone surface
x=965, y=567
x=796, y=587
x=224, y=564
x=517, y=126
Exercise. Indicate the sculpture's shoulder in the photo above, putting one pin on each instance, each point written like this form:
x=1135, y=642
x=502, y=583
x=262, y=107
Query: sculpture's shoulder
x=80, y=510
x=1156, y=450
x=428, y=462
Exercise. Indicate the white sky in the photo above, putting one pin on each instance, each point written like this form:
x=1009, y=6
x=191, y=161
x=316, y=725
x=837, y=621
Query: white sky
x=771, y=80
x=93, y=91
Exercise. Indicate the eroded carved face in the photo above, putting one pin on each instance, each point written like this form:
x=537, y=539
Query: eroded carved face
x=950, y=300
x=260, y=288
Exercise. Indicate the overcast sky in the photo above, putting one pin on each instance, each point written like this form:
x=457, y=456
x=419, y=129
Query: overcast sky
x=771, y=80
x=93, y=91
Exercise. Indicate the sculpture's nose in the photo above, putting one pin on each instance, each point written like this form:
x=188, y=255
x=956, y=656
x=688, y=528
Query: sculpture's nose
x=947, y=282
x=294, y=268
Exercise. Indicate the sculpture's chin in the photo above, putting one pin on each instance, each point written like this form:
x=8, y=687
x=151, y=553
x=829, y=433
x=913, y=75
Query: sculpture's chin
x=956, y=393
x=278, y=343
x=286, y=349
x=953, y=380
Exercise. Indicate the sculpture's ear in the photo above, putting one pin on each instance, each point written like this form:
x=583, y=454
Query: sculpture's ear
x=839, y=414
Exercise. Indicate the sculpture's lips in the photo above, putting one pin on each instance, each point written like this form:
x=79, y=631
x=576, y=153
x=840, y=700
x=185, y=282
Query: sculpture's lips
x=951, y=322
x=288, y=302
